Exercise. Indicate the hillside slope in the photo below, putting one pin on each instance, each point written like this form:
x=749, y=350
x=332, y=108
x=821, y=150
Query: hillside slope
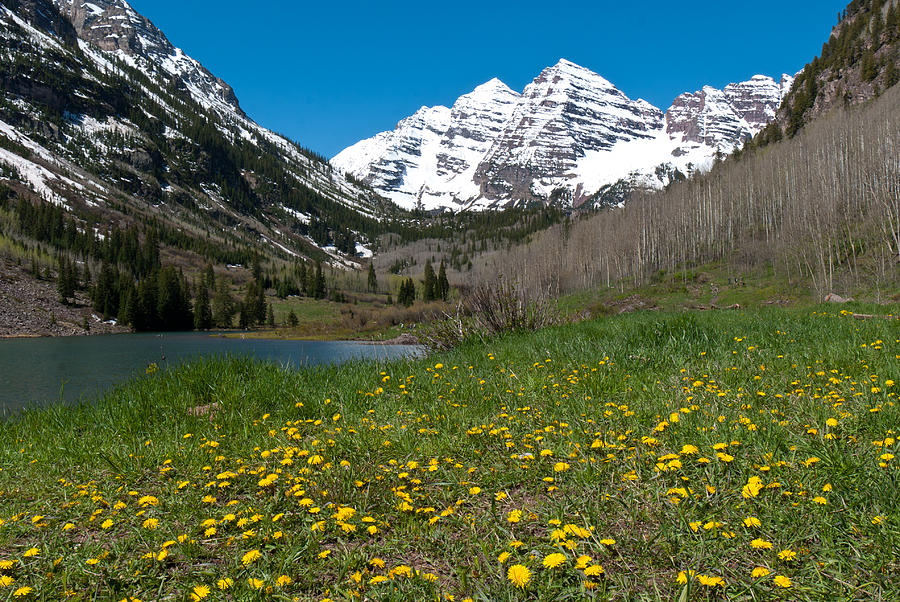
x=101, y=114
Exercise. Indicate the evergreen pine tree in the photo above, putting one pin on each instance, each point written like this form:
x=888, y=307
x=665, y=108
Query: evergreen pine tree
x=172, y=306
x=259, y=303
x=891, y=75
x=373, y=279
x=203, y=317
x=249, y=312
x=65, y=282
x=146, y=316
x=319, y=287
x=428, y=292
x=869, y=66
x=270, y=317
x=209, y=278
x=443, y=285
x=301, y=278
x=292, y=319
x=223, y=304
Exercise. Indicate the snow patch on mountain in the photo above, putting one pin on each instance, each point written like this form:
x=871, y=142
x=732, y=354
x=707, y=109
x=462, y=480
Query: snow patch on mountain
x=568, y=135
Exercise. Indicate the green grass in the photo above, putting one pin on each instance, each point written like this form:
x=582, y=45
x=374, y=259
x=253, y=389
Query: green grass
x=574, y=426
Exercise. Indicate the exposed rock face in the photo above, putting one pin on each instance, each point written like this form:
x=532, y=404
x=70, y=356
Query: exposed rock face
x=564, y=113
x=758, y=99
x=85, y=133
x=113, y=26
x=47, y=17
x=568, y=136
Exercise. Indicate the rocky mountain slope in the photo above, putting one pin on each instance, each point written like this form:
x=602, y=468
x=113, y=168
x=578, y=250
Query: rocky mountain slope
x=100, y=113
x=571, y=136
x=860, y=60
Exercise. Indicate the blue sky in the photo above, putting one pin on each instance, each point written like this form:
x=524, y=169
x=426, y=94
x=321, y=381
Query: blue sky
x=330, y=73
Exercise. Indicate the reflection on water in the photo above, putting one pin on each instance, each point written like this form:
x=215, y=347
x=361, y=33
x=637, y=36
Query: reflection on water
x=39, y=371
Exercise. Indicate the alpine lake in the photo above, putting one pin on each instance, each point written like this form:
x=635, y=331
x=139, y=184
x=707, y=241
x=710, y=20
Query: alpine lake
x=39, y=371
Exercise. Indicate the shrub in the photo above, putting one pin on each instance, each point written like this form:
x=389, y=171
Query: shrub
x=491, y=310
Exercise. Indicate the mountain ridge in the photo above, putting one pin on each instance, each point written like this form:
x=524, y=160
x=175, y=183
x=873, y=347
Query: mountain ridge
x=99, y=112
x=553, y=140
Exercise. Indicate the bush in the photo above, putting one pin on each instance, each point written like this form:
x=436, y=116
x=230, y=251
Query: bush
x=489, y=311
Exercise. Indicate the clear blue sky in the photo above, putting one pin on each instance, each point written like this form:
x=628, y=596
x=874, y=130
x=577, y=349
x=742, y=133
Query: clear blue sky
x=330, y=73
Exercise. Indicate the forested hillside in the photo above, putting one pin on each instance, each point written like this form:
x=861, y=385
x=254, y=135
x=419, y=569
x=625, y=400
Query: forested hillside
x=857, y=63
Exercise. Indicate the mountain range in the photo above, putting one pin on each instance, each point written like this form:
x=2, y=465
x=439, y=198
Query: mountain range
x=570, y=136
x=101, y=114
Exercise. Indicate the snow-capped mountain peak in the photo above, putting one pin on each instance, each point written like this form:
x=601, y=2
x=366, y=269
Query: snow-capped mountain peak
x=114, y=26
x=567, y=136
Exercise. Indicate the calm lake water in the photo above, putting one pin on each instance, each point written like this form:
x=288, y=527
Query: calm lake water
x=36, y=372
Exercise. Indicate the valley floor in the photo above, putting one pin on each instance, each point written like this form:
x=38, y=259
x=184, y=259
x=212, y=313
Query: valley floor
x=744, y=455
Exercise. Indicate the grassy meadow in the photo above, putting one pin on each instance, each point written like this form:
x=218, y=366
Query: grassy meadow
x=744, y=455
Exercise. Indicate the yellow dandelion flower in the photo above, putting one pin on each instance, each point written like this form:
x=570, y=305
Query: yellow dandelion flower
x=225, y=583
x=519, y=575
x=787, y=555
x=199, y=592
x=514, y=516
x=711, y=581
x=551, y=561
x=255, y=583
x=759, y=572
x=250, y=557
x=752, y=488
x=503, y=557
x=22, y=592
x=761, y=544
x=782, y=581
x=31, y=552
x=595, y=570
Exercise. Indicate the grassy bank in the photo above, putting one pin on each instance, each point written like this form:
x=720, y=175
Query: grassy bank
x=741, y=454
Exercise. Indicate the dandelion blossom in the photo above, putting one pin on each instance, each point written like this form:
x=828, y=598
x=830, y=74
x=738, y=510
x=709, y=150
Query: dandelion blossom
x=787, y=555
x=519, y=575
x=551, y=561
x=199, y=592
x=251, y=557
x=760, y=571
x=782, y=581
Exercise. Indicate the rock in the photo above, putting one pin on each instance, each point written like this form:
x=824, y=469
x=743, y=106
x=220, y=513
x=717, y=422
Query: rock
x=835, y=298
